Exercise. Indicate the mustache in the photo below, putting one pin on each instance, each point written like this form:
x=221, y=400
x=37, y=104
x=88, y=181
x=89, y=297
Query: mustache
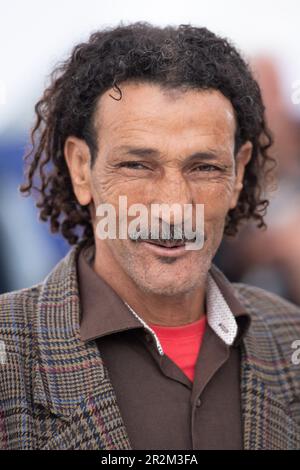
x=164, y=231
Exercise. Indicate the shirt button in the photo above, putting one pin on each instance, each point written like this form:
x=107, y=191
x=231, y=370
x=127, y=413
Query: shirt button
x=198, y=402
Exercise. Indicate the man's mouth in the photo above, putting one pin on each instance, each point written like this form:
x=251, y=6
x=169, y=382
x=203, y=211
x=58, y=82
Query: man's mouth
x=165, y=247
x=166, y=243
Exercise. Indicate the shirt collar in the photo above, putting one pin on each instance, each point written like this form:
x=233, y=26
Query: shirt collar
x=103, y=312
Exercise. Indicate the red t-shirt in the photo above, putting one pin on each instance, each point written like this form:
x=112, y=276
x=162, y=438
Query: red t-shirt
x=182, y=343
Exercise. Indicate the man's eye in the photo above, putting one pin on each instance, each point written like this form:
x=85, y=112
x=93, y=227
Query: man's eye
x=134, y=165
x=206, y=168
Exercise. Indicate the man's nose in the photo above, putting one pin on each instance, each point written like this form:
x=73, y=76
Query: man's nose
x=174, y=191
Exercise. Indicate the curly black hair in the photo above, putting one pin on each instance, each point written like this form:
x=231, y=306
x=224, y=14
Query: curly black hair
x=181, y=56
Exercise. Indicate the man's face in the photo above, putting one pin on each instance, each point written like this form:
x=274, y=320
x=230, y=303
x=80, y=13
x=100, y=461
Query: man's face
x=166, y=147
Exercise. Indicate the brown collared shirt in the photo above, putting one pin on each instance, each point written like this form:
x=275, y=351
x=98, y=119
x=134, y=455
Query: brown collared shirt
x=160, y=406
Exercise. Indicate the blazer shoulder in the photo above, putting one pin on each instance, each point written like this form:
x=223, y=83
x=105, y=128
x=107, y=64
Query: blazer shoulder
x=278, y=314
x=266, y=299
x=17, y=309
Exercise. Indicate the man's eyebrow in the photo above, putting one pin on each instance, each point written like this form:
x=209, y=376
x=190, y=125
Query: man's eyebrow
x=138, y=151
x=151, y=152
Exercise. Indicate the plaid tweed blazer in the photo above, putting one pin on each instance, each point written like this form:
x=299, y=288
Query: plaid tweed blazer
x=55, y=391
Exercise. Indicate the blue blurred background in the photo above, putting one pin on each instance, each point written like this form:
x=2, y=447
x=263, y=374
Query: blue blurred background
x=34, y=36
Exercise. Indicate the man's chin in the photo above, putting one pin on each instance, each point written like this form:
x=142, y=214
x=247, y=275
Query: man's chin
x=167, y=290
x=168, y=285
x=164, y=275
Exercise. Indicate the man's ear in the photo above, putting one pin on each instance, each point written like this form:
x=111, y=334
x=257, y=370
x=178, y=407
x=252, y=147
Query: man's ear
x=78, y=159
x=242, y=158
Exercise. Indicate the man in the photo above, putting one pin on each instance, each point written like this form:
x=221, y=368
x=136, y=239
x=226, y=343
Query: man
x=137, y=342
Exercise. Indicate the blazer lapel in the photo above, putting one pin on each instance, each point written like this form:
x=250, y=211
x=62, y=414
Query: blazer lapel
x=75, y=403
x=266, y=392
x=267, y=422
